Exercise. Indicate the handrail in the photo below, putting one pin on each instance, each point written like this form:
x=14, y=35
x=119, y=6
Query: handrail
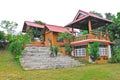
x=93, y=35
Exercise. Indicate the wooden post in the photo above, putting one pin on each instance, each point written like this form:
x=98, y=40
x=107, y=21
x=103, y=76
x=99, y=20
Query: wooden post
x=89, y=26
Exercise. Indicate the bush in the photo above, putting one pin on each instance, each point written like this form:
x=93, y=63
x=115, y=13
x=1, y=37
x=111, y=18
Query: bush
x=116, y=56
x=93, y=49
x=2, y=39
x=54, y=50
x=17, y=44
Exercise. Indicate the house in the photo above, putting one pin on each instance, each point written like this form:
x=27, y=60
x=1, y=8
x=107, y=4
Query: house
x=50, y=33
x=84, y=21
x=87, y=21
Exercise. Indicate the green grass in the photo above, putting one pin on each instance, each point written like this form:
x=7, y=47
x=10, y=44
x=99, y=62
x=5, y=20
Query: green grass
x=10, y=70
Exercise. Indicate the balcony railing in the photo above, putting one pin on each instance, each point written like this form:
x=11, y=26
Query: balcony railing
x=93, y=35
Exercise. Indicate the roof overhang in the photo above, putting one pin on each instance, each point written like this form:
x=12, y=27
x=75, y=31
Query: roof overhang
x=91, y=40
x=31, y=24
x=82, y=23
x=82, y=18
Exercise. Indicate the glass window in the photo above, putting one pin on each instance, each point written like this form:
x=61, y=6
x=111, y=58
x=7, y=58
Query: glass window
x=102, y=50
x=80, y=51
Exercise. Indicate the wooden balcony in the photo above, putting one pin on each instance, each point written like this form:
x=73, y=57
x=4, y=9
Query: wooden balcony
x=93, y=35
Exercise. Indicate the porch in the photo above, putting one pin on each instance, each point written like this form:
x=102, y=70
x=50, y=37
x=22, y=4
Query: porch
x=94, y=34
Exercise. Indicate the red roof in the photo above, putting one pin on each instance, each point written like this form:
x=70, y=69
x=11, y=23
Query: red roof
x=55, y=28
x=86, y=15
x=91, y=40
x=34, y=24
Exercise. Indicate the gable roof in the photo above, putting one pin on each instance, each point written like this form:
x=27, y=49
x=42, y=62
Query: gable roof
x=31, y=24
x=55, y=28
x=82, y=17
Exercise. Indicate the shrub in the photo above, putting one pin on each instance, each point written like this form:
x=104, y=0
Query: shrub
x=116, y=56
x=17, y=44
x=2, y=39
x=93, y=49
x=55, y=49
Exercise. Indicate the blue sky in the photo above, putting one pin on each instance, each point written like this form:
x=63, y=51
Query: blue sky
x=56, y=12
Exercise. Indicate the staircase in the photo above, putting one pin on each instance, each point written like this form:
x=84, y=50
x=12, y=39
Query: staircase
x=39, y=58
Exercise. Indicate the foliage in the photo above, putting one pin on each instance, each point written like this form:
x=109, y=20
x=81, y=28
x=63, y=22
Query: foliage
x=84, y=32
x=68, y=48
x=2, y=39
x=93, y=49
x=96, y=13
x=114, y=29
x=54, y=50
x=35, y=33
x=17, y=44
x=68, y=37
x=9, y=26
x=2, y=35
x=109, y=16
x=39, y=22
x=116, y=55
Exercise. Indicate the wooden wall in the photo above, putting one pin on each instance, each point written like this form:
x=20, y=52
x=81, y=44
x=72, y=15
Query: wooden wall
x=53, y=37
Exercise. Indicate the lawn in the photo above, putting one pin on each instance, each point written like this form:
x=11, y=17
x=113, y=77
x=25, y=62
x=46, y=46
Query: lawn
x=10, y=70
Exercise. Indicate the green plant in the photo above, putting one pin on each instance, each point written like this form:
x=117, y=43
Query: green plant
x=116, y=56
x=9, y=26
x=68, y=37
x=35, y=33
x=2, y=39
x=68, y=48
x=93, y=49
x=39, y=22
x=17, y=44
x=84, y=32
x=55, y=49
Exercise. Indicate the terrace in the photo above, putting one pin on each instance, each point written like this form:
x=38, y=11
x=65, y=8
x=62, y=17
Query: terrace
x=94, y=34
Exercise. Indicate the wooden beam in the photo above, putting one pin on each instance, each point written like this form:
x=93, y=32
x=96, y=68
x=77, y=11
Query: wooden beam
x=89, y=26
x=72, y=30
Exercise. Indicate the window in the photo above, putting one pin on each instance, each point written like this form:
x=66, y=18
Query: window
x=102, y=50
x=80, y=51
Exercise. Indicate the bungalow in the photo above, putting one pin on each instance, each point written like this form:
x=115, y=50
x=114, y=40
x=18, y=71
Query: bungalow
x=50, y=32
x=83, y=21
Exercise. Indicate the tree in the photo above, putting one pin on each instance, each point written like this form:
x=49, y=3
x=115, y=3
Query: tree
x=114, y=29
x=93, y=49
x=114, y=33
x=2, y=39
x=68, y=37
x=39, y=22
x=96, y=13
x=9, y=26
x=109, y=16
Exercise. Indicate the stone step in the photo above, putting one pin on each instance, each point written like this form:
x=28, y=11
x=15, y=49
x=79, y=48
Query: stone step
x=39, y=58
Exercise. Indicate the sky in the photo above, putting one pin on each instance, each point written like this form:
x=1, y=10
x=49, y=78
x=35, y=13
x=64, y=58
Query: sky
x=55, y=12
